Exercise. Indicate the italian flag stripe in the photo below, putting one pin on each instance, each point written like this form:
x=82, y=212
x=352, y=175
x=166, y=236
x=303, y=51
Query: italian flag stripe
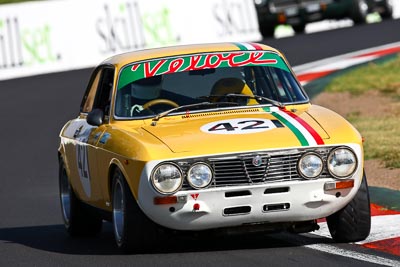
x=294, y=129
x=315, y=135
x=306, y=135
x=248, y=46
x=257, y=46
x=241, y=46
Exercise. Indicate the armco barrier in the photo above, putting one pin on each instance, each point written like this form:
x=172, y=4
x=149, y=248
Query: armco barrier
x=48, y=36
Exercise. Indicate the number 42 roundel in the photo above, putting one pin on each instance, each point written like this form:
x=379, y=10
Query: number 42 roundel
x=241, y=126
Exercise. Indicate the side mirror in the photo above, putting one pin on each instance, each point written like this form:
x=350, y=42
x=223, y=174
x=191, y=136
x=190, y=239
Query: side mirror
x=95, y=117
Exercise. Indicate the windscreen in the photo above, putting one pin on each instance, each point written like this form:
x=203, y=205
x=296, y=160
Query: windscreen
x=238, y=78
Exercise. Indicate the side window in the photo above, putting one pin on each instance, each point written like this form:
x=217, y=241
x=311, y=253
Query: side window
x=88, y=99
x=99, y=91
x=104, y=92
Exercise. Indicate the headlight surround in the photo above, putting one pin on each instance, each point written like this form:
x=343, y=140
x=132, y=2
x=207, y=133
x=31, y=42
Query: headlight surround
x=167, y=178
x=342, y=162
x=310, y=165
x=199, y=175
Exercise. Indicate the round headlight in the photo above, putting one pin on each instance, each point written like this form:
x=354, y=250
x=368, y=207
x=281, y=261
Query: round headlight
x=342, y=162
x=167, y=178
x=199, y=175
x=310, y=165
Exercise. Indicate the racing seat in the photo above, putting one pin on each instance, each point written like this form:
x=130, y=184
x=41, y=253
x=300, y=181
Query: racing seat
x=226, y=86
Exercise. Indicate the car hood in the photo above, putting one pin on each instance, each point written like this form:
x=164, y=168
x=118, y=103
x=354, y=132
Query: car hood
x=234, y=131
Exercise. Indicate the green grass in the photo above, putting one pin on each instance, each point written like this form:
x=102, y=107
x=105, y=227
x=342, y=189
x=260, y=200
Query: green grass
x=381, y=132
x=381, y=138
x=383, y=77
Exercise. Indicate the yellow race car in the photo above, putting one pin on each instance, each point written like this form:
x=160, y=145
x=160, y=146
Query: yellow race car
x=207, y=137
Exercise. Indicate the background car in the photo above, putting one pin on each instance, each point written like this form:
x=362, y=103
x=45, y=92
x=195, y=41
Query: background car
x=211, y=137
x=298, y=13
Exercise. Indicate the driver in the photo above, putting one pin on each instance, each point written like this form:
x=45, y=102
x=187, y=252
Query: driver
x=144, y=90
x=226, y=86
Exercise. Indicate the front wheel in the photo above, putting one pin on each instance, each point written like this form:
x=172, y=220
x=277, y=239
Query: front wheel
x=133, y=231
x=359, y=11
x=387, y=9
x=353, y=222
x=79, y=219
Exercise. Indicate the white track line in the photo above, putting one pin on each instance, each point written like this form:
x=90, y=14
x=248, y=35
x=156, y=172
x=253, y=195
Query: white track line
x=314, y=242
x=382, y=227
x=317, y=65
x=353, y=255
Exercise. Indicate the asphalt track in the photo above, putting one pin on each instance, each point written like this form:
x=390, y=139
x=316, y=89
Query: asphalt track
x=33, y=111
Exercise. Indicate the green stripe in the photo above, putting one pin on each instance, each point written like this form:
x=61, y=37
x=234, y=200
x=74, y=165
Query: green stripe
x=385, y=197
x=297, y=133
x=242, y=47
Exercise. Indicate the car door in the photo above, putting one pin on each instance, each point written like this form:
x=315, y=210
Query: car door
x=84, y=137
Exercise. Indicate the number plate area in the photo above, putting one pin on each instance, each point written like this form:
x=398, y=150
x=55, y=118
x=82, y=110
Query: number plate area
x=291, y=11
x=240, y=126
x=313, y=8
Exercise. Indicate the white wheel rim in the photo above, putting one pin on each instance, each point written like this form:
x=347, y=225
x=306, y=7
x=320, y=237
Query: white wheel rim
x=363, y=7
x=65, y=197
x=118, y=211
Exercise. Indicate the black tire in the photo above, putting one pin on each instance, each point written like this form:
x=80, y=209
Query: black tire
x=79, y=219
x=353, y=222
x=267, y=30
x=299, y=28
x=133, y=231
x=388, y=10
x=359, y=12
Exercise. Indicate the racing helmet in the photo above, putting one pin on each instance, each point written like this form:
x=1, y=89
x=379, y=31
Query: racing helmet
x=147, y=88
x=226, y=86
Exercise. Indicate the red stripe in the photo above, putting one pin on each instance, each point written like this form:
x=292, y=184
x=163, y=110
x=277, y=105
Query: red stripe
x=313, y=133
x=313, y=75
x=257, y=46
x=377, y=210
x=383, y=52
x=391, y=246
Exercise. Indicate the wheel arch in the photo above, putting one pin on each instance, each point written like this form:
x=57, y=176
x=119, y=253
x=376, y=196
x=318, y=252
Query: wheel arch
x=62, y=160
x=114, y=165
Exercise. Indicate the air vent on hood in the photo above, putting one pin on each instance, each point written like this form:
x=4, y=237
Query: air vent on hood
x=186, y=116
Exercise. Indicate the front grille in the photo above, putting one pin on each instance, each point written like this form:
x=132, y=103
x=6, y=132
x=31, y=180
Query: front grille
x=242, y=171
x=282, y=4
x=239, y=169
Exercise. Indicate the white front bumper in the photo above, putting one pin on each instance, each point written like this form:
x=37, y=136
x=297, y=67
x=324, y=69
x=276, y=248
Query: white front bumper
x=303, y=201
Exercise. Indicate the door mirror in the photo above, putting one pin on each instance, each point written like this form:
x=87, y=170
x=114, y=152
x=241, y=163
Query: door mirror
x=95, y=117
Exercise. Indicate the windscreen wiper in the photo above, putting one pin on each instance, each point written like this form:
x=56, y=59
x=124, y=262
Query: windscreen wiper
x=191, y=106
x=257, y=97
